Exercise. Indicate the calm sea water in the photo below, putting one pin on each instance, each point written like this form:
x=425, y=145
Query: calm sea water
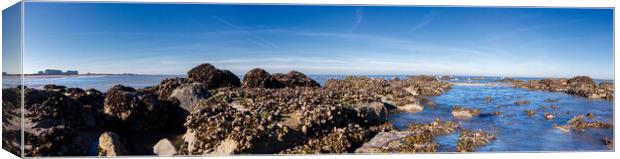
x=515, y=131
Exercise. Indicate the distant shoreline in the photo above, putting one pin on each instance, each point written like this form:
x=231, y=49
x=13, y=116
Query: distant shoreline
x=133, y=74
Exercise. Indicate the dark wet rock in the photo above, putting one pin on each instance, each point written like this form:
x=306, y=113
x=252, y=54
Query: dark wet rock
x=551, y=100
x=530, y=112
x=590, y=115
x=54, y=88
x=164, y=147
x=165, y=88
x=372, y=113
x=464, y=113
x=110, y=145
x=488, y=99
x=213, y=77
x=609, y=142
x=11, y=120
x=51, y=123
x=295, y=79
x=469, y=140
x=259, y=78
x=522, y=102
x=133, y=110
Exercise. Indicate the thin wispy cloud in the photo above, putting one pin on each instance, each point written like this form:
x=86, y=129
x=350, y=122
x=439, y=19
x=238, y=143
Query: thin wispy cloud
x=254, y=39
x=359, y=16
x=428, y=18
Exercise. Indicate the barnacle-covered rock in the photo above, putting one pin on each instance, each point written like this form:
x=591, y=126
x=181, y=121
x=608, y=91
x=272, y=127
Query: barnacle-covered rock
x=295, y=79
x=51, y=121
x=213, y=77
x=579, y=85
x=464, y=113
x=134, y=110
x=417, y=138
x=340, y=140
x=259, y=78
x=165, y=88
x=470, y=140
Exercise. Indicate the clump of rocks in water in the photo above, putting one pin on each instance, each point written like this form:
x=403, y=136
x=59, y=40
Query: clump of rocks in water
x=416, y=138
x=469, y=140
x=461, y=112
x=580, y=85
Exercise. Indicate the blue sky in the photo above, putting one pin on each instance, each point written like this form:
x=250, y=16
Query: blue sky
x=172, y=38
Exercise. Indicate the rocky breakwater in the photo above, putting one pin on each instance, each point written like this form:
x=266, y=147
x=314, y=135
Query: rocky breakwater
x=212, y=112
x=580, y=85
x=406, y=95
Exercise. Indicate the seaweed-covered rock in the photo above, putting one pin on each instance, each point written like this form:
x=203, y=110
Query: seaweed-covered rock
x=464, y=113
x=135, y=110
x=259, y=78
x=470, y=140
x=580, y=123
x=213, y=77
x=110, y=145
x=295, y=79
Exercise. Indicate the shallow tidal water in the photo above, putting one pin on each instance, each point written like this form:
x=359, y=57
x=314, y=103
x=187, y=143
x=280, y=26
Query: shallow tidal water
x=514, y=130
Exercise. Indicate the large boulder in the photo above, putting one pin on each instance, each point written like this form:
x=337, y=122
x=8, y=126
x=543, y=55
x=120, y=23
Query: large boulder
x=164, y=148
x=110, y=145
x=582, y=86
x=295, y=79
x=605, y=90
x=371, y=113
x=259, y=78
x=187, y=95
x=213, y=77
x=167, y=86
x=134, y=110
x=51, y=121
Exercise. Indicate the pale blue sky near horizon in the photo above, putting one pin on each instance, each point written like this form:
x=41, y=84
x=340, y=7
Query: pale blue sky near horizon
x=343, y=40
